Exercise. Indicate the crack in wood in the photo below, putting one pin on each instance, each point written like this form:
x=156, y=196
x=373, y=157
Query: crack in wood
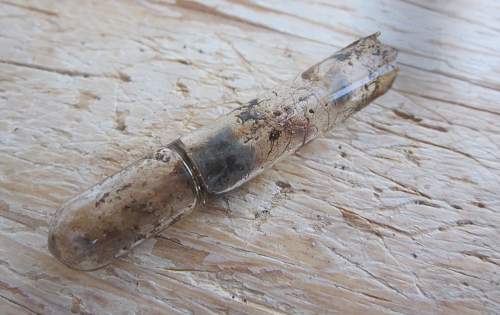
x=72, y=73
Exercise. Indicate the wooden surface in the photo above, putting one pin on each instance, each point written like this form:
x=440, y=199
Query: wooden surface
x=398, y=211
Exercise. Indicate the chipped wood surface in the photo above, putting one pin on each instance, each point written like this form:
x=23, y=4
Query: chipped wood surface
x=395, y=212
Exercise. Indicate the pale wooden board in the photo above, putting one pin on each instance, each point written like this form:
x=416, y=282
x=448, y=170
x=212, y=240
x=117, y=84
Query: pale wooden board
x=398, y=211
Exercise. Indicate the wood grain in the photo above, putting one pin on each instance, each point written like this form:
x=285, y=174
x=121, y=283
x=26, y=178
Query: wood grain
x=395, y=212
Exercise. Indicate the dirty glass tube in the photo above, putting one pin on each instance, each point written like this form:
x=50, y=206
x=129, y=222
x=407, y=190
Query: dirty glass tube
x=128, y=207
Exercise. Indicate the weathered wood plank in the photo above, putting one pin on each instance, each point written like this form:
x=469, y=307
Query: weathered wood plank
x=395, y=212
